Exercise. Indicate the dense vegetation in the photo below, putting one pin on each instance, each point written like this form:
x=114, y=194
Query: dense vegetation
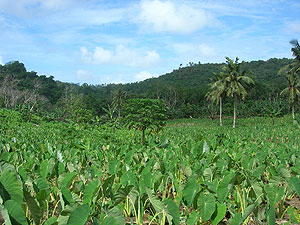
x=182, y=90
x=192, y=172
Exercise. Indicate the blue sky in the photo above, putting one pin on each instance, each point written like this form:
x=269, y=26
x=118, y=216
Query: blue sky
x=120, y=41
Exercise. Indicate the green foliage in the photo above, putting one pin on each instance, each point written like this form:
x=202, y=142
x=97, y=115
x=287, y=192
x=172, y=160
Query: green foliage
x=145, y=114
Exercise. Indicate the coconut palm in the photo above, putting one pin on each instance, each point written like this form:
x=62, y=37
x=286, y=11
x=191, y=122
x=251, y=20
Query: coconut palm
x=291, y=72
x=236, y=81
x=293, y=89
x=217, y=91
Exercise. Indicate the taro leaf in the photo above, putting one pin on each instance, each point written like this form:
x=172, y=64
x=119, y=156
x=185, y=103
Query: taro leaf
x=207, y=206
x=44, y=169
x=16, y=213
x=190, y=190
x=223, y=187
x=35, y=210
x=237, y=219
x=90, y=191
x=113, y=166
x=117, y=214
x=128, y=157
x=208, y=174
x=155, y=202
x=5, y=215
x=51, y=221
x=122, y=194
x=271, y=216
x=219, y=213
x=80, y=215
x=285, y=173
x=67, y=196
x=173, y=210
x=110, y=221
x=295, y=184
x=65, y=180
x=205, y=147
x=193, y=218
x=248, y=211
x=274, y=194
x=65, y=215
x=10, y=187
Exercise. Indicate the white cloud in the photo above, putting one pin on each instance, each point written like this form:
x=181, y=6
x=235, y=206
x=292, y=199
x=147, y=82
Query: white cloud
x=143, y=75
x=1, y=60
x=200, y=50
x=292, y=27
x=84, y=76
x=165, y=16
x=121, y=55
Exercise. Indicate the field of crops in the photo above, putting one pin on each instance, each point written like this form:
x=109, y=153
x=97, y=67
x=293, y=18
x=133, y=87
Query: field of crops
x=192, y=172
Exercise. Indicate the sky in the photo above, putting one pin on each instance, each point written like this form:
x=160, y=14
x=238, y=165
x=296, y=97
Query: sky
x=122, y=41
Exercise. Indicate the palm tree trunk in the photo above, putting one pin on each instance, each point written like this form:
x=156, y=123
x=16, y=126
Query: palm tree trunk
x=234, y=112
x=143, y=137
x=293, y=112
x=220, y=111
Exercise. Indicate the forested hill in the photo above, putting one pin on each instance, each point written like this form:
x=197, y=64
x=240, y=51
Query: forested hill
x=182, y=86
x=194, y=79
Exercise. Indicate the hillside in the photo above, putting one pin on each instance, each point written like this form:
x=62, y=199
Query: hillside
x=186, y=85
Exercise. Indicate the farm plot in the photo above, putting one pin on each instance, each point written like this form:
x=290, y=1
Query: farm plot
x=193, y=172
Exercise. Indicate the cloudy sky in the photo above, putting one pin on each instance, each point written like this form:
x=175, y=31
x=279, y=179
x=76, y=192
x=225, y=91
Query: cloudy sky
x=120, y=41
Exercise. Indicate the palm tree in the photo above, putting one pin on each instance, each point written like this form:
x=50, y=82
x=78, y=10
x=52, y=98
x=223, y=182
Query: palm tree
x=217, y=91
x=291, y=72
x=293, y=89
x=236, y=81
x=296, y=52
x=119, y=100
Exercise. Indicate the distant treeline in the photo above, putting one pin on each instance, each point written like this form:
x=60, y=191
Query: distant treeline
x=183, y=90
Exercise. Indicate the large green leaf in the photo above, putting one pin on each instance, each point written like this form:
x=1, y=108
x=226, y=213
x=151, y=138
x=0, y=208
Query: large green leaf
x=207, y=206
x=10, y=187
x=113, y=166
x=190, y=190
x=271, y=216
x=16, y=213
x=173, y=210
x=117, y=214
x=34, y=208
x=65, y=179
x=90, y=191
x=237, y=219
x=155, y=202
x=295, y=184
x=80, y=215
x=51, y=221
x=193, y=218
x=219, y=213
x=110, y=221
x=44, y=169
x=223, y=187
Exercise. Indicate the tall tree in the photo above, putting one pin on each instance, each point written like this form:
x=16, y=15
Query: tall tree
x=293, y=90
x=217, y=91
x=119, y=100
x=291, y=72
x=236, y=81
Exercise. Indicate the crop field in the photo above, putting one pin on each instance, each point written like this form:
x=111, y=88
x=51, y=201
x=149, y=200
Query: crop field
x=192, y=172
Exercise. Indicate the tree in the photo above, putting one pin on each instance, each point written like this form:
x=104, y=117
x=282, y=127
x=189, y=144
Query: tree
x=217, y=91
x=236, y=81
x=293, y=90
x=291, y=72
x=145, y=114
x=119, y=100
